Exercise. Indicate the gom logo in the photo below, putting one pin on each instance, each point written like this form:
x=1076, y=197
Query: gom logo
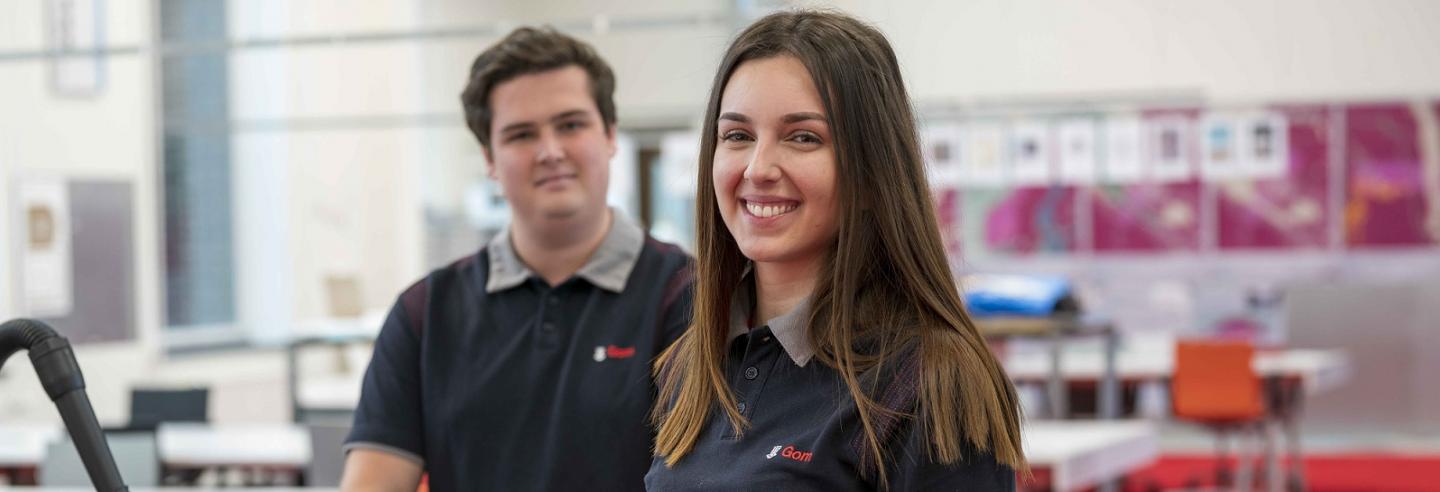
x=797, y=455
x=613, y=352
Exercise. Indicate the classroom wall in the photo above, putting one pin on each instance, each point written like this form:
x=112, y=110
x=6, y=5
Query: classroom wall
x=1227, y=50
x=110, y=135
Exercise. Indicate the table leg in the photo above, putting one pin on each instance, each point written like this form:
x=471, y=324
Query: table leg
x=1059, y=404
x=1291, y=422
x=1274, y=476
x=1109, y=397
x=1244, y=461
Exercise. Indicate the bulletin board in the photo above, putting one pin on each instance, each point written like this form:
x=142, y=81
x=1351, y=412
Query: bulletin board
x=1279, y=177
x=94, y=223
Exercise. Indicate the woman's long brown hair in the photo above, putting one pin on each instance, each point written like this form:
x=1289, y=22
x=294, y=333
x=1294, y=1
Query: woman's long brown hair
x=886, y=283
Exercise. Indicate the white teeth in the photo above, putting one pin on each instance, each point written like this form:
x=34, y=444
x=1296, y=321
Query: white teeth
x=766, y=211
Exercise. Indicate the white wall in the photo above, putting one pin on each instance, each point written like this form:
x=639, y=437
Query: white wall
x=110, y=135
x=1226, y=50
x=330, y=124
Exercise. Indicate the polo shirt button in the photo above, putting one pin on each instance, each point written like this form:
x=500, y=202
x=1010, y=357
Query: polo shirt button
x=741, y=407
x=548, y=326
x=751, y=372
x=553, y=300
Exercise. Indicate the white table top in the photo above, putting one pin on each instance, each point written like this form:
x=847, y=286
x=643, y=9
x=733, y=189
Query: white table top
x=1082, y=454
x=330, y=393
x=1320, y=370
x=23, y=445
x=203, y=445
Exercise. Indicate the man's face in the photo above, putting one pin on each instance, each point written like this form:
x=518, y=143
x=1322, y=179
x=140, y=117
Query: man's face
x=549, y=147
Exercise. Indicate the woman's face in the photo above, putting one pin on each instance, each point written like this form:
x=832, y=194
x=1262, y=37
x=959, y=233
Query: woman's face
x=774, y=172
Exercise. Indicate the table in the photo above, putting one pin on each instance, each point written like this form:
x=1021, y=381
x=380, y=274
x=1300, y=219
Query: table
x=23, y=447
x=1076, y=455
x=1310, y=371
x=1056, y=330
x=1317, y=370
x=334, y=397
x=197, y=445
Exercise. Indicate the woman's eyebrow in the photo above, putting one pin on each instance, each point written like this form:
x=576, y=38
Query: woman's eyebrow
x=798, y=117
x=735, y=117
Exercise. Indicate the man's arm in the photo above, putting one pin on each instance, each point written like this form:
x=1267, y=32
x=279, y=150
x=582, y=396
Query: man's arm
x=371, y=470
x=385, y=449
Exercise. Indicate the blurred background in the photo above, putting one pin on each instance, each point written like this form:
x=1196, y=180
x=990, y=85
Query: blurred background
x=217, y=201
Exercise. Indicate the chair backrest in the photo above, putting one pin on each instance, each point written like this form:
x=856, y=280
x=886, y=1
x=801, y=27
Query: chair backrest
x=136, y=457
x=327, y=460
x=150, y=407
x=1214, y=381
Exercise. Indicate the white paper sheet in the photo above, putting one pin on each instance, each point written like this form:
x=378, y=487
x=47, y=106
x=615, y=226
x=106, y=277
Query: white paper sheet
x=985, y=158
x=45, y=259
x=1168, y=145
x=942, y=148
x=1031, y=151
x=1076, y=138
x=1124, y=161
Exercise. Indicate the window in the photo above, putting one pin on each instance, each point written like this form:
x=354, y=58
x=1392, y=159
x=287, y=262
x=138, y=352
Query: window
x=199, y=243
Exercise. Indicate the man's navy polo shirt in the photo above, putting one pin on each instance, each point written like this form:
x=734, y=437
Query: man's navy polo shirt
x=493, y=380
x=805, y=429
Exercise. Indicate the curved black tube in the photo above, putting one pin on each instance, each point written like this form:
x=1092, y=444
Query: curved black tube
x=60, y=375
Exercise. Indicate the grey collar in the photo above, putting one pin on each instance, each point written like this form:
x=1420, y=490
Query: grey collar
x=789, y=328
x=608, y=268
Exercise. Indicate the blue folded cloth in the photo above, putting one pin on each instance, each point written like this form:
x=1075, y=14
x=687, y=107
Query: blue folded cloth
x=1013, y=295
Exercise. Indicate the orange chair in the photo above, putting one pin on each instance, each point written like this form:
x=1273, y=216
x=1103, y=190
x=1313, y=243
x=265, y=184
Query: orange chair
x=1215, y=386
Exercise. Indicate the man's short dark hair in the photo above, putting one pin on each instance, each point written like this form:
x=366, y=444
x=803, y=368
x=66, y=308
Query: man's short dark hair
x=525, y=51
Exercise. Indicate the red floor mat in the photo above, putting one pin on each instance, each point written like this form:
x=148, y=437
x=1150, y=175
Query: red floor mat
x=1358, y=472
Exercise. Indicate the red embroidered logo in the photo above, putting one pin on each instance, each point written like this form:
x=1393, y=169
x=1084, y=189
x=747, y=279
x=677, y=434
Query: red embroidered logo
x=613, y=352
x=791, y=453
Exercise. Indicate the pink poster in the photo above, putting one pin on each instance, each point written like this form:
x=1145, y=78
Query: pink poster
x=1147, y=217
x=947, y=213
x=1289, y=211
x=1389, y=196
x=1018, y=221
x=1162, y=212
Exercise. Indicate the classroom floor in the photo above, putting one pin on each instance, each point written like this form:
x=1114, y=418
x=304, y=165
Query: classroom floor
x=1337, y=460
x=1350, y=472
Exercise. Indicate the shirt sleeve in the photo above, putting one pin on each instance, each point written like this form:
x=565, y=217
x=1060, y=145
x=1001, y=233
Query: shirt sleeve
x=913, y=469
x=389, y=414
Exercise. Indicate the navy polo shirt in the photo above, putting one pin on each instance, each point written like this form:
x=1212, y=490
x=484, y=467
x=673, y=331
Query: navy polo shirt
x=805, y=431
x=493, y=380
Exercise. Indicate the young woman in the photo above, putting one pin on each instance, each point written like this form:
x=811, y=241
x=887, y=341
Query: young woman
x=829, y=349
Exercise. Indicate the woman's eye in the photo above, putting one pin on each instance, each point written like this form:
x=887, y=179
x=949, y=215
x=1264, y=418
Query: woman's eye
x=806, y=138
x=735, y=137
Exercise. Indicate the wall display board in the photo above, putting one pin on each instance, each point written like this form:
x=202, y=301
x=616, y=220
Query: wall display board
x=1263, y=178
x=998, y=222
x=95, y=217
x=1290, y=209
x=1390, y=194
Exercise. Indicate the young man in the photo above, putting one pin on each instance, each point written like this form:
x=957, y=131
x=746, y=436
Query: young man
x=527, y=365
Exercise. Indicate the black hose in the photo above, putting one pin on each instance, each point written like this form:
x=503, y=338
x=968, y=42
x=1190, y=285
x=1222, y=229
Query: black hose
x=59, y=373
x=21, y=334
